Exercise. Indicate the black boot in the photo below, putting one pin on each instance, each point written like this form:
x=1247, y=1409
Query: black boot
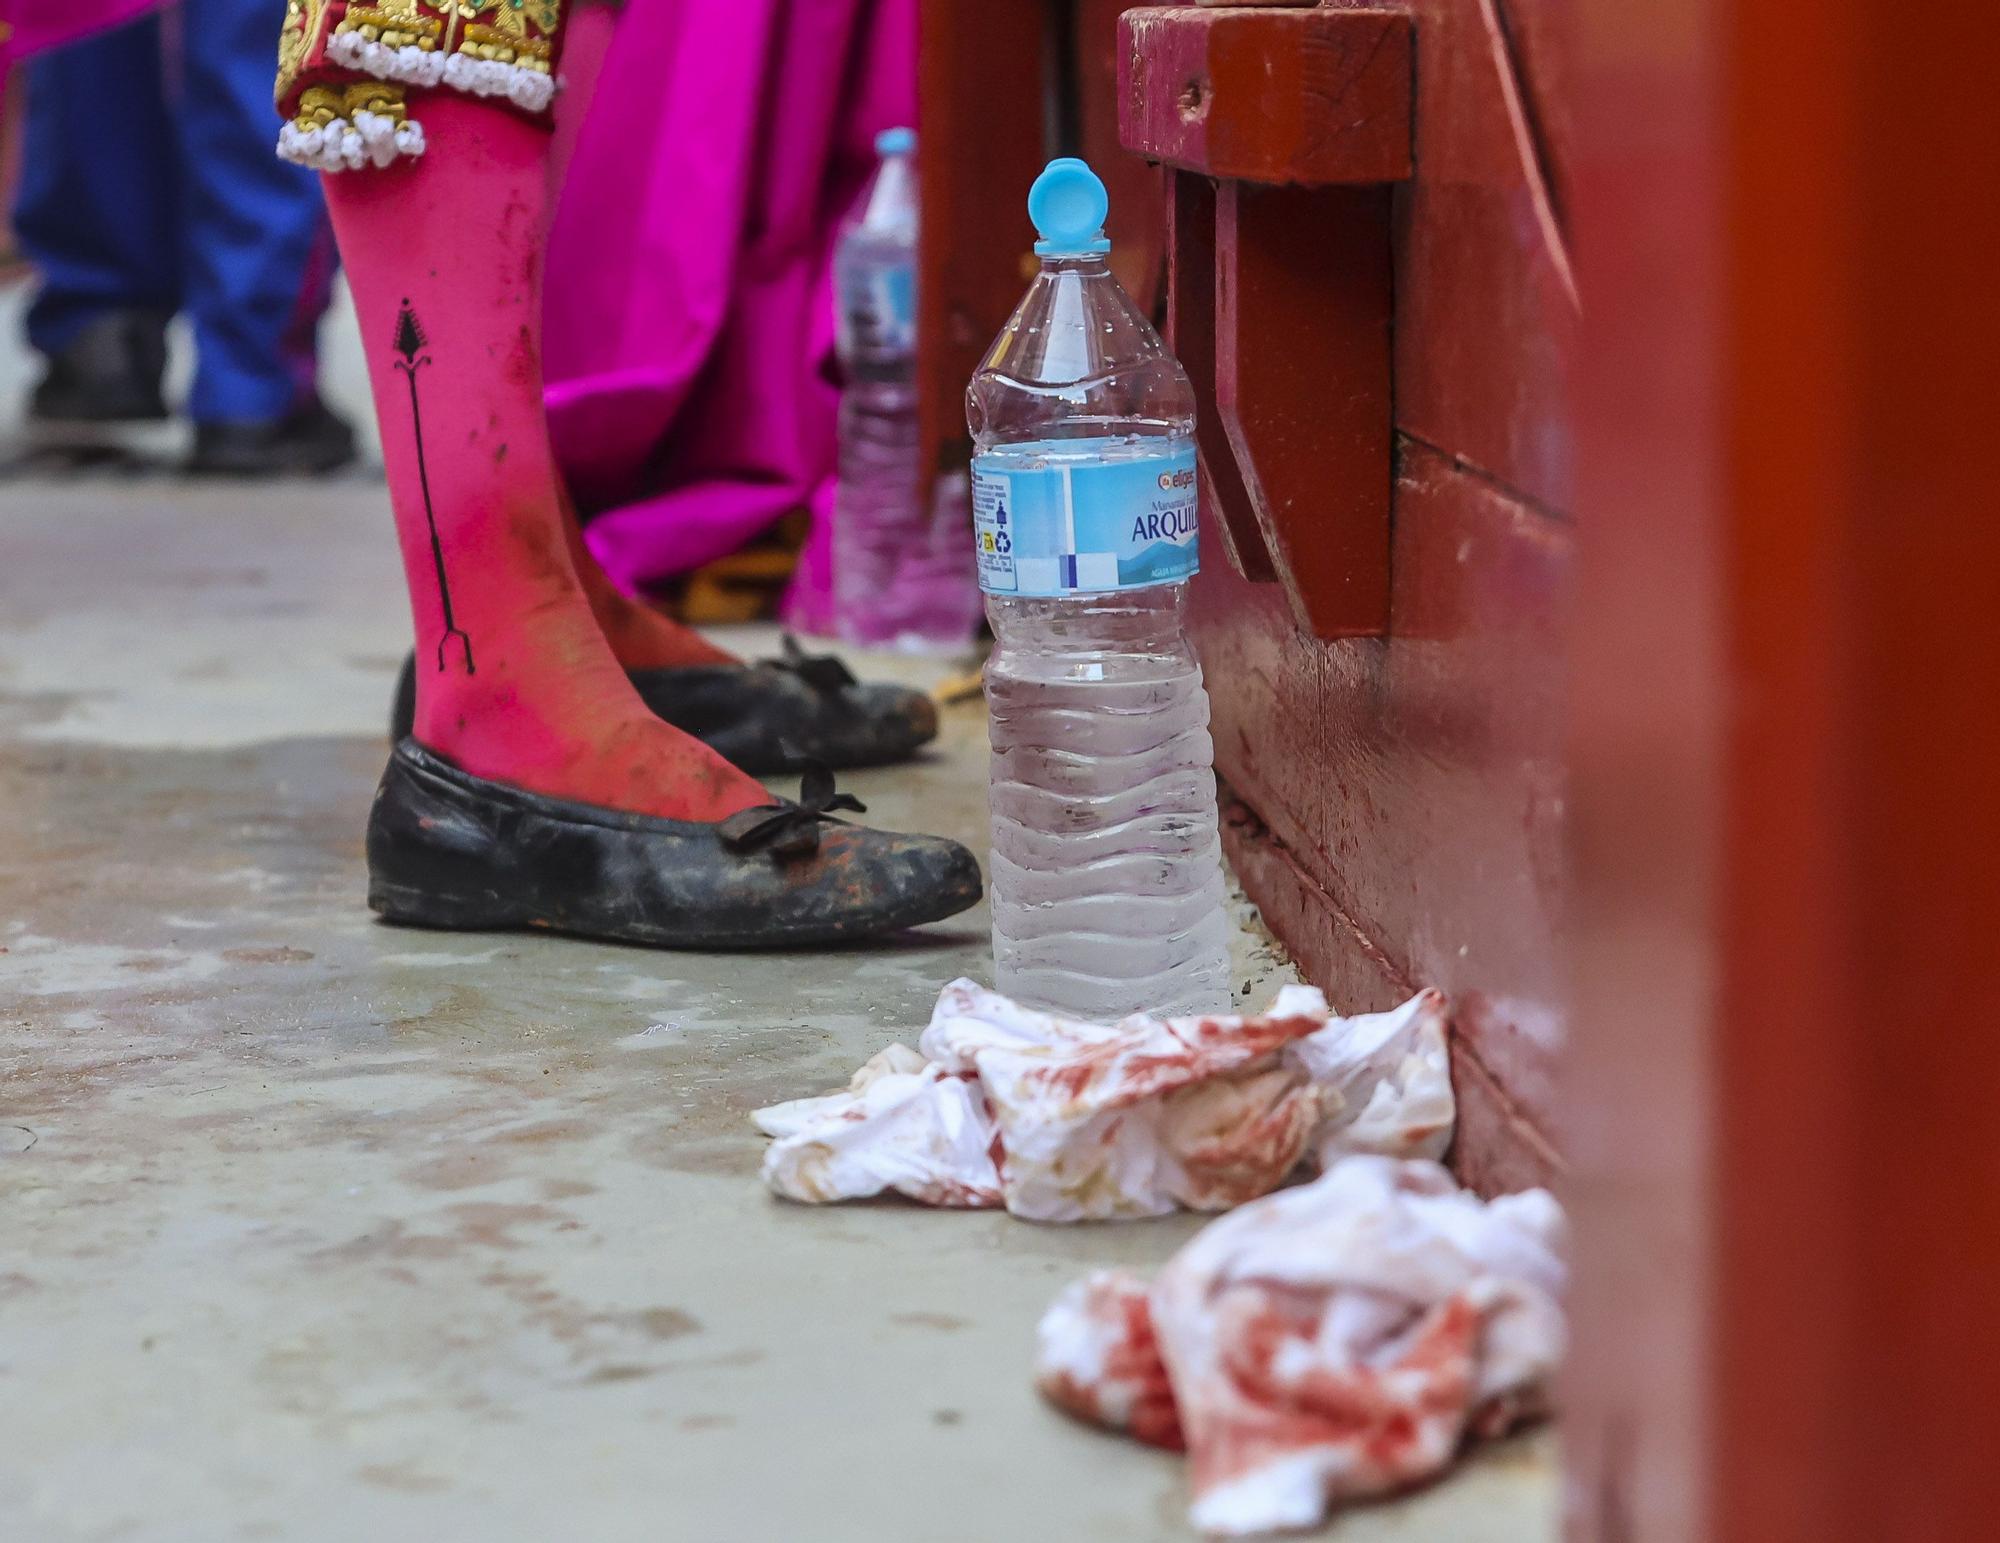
x=110, y=372
x=309, y=440
x=447, y=849
x=779, y=715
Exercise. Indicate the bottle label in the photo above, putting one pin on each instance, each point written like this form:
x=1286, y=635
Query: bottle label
x=881, y=305
x=1084, y=526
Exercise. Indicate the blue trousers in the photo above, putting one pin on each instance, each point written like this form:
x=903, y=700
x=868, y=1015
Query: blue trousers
x=149, y=182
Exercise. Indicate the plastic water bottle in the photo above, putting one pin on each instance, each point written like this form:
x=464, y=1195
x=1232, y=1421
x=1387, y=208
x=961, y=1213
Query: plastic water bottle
x=1107, y=866
x=901, y=574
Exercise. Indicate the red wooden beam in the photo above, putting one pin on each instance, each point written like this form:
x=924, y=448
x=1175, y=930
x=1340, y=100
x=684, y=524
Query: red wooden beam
x=1138, y=191
x=1302, y=388
x=1319, y=97
x=980, y=79
x=1191, y=331
x=1280, y=290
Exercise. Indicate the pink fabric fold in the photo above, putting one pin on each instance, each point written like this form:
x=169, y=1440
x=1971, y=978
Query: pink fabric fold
x=689, y=346
x=29, y=26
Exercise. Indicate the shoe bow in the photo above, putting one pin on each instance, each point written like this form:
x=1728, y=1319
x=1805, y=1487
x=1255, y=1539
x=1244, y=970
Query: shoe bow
x=791, y=829
x=823, y=672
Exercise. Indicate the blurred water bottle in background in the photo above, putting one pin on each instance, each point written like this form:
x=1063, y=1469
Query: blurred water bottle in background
x=902, y=572
x=1107, y=866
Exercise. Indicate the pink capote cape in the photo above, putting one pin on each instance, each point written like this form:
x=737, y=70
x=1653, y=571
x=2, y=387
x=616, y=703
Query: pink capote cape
x=29, y=26
x=689, y=347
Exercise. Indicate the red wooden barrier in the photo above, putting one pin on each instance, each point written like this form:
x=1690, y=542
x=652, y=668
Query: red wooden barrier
x=1387, y=644
x=1303, y=116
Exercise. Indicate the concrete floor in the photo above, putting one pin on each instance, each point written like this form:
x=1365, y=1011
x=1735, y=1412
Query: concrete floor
x=314, y=1229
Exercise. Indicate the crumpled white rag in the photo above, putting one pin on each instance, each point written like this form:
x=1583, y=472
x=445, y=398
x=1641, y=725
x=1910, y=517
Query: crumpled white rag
x=1061, y=1120
x=1324, y=1344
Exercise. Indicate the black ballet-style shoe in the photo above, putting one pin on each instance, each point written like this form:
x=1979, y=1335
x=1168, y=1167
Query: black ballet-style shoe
x=448, y=849
x=773, y=716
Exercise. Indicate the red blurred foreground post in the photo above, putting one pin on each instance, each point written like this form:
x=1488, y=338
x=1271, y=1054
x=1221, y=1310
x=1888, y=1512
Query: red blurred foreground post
x=1783, y=1112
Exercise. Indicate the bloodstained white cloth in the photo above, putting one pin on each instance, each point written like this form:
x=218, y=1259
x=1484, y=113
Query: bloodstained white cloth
x=1060, y=1120
x=1328, y=1343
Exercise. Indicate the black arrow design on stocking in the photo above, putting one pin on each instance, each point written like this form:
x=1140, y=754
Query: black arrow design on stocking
x=412, y=344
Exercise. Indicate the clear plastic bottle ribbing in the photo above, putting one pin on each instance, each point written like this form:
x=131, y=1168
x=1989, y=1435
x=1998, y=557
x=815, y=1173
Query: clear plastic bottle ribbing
x=1107, y=886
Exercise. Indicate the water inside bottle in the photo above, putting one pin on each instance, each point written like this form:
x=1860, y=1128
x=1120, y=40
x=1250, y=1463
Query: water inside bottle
x=1107, y=885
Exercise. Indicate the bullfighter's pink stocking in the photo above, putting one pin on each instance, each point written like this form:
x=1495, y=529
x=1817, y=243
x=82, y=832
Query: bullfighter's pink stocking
x=641, y=638
x=516, y=680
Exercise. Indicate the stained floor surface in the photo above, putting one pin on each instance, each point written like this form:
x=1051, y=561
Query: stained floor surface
x=314, y=1229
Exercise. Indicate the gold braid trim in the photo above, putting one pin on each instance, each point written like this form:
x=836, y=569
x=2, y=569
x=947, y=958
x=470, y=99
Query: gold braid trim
x=507, y=48
x=395, y=28
x=345, y=127
x=468, y=45
x=321, y=105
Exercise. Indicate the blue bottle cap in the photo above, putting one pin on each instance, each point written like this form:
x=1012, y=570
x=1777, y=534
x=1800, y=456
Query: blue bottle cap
x=1068, y=204
x=895, y=141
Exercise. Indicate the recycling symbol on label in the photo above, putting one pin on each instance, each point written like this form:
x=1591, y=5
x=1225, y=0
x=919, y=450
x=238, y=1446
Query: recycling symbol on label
x=1002, y=543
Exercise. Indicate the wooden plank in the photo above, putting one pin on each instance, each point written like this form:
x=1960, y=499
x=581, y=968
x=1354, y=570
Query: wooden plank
x=981, y=76
x=1302, y=388
x=1281, y=285
x=1487, y=313
x=1499, y=1147
x=1315, y=97
x=980, y=84
x=1414, y=784
x=1535, y=33
x=1418, y=780
x=1229, y=521
x=1137, y=221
